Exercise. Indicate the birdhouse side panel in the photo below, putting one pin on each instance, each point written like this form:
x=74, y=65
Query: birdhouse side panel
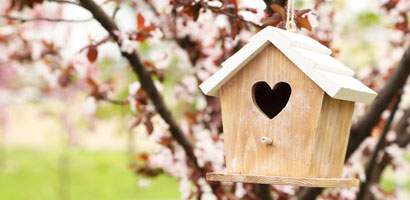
x=292, y=129
x=331, y=138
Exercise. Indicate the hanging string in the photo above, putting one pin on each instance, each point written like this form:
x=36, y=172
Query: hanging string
x=290, y=16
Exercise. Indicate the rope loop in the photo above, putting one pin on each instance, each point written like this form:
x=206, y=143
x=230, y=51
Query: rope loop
x=290, y=16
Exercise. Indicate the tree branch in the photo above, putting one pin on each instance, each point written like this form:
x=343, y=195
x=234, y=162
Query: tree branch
x=366, y=123
x=363, y=127
x=403, y=136
x=364, y=187
x=263, y=191
x=23, y=19
x=268, y=9
x=146, y=81
x=403, y=139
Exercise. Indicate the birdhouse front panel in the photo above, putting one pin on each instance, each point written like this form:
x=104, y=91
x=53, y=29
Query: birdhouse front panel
x=270, y=97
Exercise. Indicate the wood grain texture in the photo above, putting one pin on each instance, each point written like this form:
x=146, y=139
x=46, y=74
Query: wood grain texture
x=332, y=137
x=293, y=130
x=277, y=180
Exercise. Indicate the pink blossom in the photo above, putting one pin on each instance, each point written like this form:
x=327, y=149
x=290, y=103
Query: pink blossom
x=394, y=150
x=90, y=106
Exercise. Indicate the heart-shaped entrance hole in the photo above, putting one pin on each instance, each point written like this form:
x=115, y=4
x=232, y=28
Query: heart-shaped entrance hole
x=271, y=101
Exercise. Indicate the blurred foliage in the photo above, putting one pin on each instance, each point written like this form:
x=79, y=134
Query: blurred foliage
x=367, y=19
x=33, y=174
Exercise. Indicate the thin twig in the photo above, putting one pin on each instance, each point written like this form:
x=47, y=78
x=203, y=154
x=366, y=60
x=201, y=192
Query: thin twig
x=96, y=44
x=117, y=102
x=24, y=19
x=65, y=1
x=229, y=14
x=116, y=9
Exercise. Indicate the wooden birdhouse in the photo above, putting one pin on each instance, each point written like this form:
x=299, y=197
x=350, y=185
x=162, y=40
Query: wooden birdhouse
x=287, y=108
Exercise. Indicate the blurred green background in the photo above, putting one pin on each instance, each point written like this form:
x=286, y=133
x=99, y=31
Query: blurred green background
x=81, y=175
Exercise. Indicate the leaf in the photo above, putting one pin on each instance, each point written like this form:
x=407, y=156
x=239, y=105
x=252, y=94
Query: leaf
x=165, y=141
x=92, y=53
x=192, y=11
x=140, y=21
x=149, y=126
x=148, y=64
x=252, y=10
x=91, y=82
x=142, y=36
x=144, y=157
x=282, y=25
x=301, y=12
x=136, y=123
x=191, y=117
x=161, y=76
x=278, y=9
x=20, y=4
x=179, y=3
x=303, y=23
x=272, y=20
x=148, y=28
x=197, y=8
x=65, y=77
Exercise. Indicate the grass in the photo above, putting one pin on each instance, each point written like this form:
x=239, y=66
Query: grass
x=36, y=175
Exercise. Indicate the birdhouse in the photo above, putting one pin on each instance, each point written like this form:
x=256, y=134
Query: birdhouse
x=287, y=108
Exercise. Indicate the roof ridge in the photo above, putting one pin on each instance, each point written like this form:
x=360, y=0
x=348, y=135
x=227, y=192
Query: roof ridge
x=302, y=41
x=312, y=58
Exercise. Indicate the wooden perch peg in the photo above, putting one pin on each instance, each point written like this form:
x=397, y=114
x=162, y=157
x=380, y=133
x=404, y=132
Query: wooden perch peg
x=266, y=140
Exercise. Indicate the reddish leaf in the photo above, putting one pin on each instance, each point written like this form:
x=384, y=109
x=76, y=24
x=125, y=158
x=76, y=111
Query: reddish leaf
x=278, y=9
x=272, y=20
x=149, y=126
x=65, y=78
x=282, y=25
x=144, y=157
x=301, y=12
x=179, y=3
x=235, y=28
x=191, y=117
x=141, y=21
x=92, y=53
x=20, y=4
x=160, y=76
x=303, y=23
x=165, y=141
x=252, y=10
x=148, y=28
x=141, y=38
x=192, y=11
x=148, y=64
x=136, y=123
x=91, y=82
x=196, y=8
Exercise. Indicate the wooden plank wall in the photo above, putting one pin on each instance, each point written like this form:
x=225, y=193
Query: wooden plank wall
x=292, y=130
x=332, y=138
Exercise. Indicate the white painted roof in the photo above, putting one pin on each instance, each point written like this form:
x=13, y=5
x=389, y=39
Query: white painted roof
x=306, y=53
